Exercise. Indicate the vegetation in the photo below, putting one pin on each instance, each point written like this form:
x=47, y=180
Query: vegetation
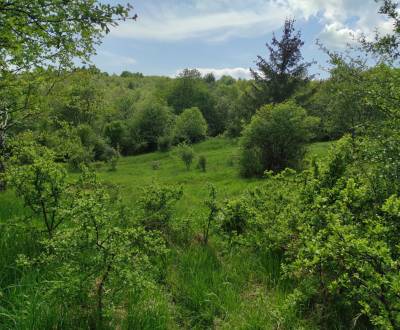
x=190, y=126
x=275, y=139
x=186, y=154
x=289, y=221
x=283, y=74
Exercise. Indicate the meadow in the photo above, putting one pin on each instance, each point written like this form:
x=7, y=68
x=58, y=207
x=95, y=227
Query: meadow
x=205, y=286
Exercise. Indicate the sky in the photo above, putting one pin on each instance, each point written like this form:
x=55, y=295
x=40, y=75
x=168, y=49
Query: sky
x=225, y=36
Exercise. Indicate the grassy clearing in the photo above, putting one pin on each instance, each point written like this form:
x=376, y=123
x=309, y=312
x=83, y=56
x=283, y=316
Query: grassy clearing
x=166, y=168
x=204, y=287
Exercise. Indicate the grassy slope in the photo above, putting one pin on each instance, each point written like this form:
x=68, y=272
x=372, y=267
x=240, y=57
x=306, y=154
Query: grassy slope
x=204, y=288
x=136, y=172
x=208, y=289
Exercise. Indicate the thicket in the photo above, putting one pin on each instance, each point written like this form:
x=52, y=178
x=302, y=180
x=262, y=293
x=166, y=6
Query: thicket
x=91, y=251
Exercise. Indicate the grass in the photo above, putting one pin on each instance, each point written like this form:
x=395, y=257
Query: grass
x=133, y=173
x=204, y=287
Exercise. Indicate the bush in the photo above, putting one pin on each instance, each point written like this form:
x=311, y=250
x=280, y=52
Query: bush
x=213, y=209
x=117, y=134
x=100, y=257
x=275, y=139
x=335, y=229
x=79, y=156
x=250, y=162
x=186, y=154
x=190, y=126
x=156, y=206
x=202, y=164
x=149, y=123
x=112, y=159
x=40, y=182
x=164, y=143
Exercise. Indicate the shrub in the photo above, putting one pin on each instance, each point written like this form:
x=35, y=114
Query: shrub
x=40, y=182
x=335, y=228
x=117, y=134
x=113, y=159
x=156, y=205
x=149, y=123
x=186, y=154
x=155, y=165
x=190, y=126
x=164, y=143
x=275, y=139
x=202, y=164
x=235, y=216
x=250, y=162
x=99, y=257
x=78, y=156
x=213, y=208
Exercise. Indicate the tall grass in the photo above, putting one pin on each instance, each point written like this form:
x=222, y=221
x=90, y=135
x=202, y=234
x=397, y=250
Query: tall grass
x=205, y=287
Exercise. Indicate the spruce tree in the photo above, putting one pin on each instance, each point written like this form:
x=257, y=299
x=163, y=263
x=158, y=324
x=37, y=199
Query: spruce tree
x=284, y=72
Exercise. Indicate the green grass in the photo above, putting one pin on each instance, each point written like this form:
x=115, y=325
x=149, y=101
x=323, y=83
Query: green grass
x=133, y=173
x=319, y=150
x=204, y=287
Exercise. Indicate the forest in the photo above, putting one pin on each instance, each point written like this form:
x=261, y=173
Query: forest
x=132, y=201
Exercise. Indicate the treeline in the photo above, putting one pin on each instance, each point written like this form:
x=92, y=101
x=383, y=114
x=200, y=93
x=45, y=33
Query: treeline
x=91, y=116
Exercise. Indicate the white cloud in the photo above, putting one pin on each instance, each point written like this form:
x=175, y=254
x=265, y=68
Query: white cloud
x=337, y=35
x=218, y=20
x=174, y=23
x=236, y=73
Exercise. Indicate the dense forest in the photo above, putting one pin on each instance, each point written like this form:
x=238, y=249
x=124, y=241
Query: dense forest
x=150, y=202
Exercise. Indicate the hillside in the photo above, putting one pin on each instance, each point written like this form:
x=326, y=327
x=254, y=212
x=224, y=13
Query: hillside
x=204, y=286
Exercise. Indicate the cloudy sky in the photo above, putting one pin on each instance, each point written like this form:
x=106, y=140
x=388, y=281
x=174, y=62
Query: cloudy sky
x=225, y=36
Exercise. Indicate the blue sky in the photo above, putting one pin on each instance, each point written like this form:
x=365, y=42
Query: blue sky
x=225, y=36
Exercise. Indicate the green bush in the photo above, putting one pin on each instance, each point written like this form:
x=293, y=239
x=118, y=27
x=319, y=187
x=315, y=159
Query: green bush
x=346, y=256
x=190, y=126
x=186, y=154
x=202, y=163
x=335, y=228
x=156, y=206
x=152, y=121
x=275, y=139
x=40, y=182
x=116, y=133
x=164, y=143
x=99, y=257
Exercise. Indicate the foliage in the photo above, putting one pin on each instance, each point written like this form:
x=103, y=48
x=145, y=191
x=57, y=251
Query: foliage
x=335, y=228
x=347, y=243
x=117, y=134
x=149, y=123
x=112, y=156
x=278, y=78
x=275, y=139
x=157, y=204
x=202, y=163
x=190, y=91
x=40, y=182
x=98, y=254
x=164, y=143
x=79, y=27
x=32, y=39
x=186, y=153
x=190, y=126
x=213, y=207
x=386, y=46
